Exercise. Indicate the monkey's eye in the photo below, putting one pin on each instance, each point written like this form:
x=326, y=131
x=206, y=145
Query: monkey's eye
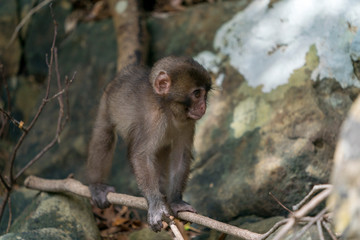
x=197, y=93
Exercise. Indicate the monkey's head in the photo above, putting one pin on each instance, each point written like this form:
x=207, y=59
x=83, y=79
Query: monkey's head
x=183, y=84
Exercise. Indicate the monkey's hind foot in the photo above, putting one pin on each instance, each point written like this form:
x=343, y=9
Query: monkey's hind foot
x=99, y=192
x=181, y=206
x=156, y=213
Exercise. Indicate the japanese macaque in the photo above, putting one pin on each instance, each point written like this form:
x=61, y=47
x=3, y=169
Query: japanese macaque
x=154, y=111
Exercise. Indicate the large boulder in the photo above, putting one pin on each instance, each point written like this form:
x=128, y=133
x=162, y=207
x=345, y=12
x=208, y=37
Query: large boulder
x=275, y=113
x=53, y=216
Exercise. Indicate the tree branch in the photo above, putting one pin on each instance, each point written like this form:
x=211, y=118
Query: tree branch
x=25, y=19
x=13, y=120
x=61, y=122
x=314, y=190
x=303, y=211
x=5, y=200
x=170, y=221
x=74, y=186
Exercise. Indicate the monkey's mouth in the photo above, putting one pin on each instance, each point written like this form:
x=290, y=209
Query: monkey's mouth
x=194, y=116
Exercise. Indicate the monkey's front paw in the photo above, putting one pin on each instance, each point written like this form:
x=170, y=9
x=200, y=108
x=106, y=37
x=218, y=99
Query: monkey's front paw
x=181, y=206
x=99, y=192
x=155, y=216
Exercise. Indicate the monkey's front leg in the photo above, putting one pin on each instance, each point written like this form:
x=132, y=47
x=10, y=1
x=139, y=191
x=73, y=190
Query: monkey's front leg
x=148, y=179
x=179, y=171
x=99, y=193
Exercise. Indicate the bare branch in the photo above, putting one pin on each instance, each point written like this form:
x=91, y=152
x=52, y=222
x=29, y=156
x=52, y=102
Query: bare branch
x=176, y=231
x=282, y=232
x=313, y=191
x=17, y=123
x=3, y=203
x=282, y=205
x=170, y=221
x=60, y=123
x=274, y=228
x=327, y=227
x=10, y=216
x=40, y=109
x=74, y=186
x=56, y=95
x=310, y=223
x=320, y=230
x=25, y=19
x=303, y=211
x=3, y=181
x=313, y=203
x=8, y=183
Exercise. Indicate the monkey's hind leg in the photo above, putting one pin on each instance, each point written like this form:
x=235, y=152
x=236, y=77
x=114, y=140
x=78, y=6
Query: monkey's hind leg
x=101, y=151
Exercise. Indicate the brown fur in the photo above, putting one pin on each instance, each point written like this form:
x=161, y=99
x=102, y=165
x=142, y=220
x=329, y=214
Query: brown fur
x=155, y=113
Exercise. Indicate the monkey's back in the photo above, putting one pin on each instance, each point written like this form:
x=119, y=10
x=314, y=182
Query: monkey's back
x=130, y=99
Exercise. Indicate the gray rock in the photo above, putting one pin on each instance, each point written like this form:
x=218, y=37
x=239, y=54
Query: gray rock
x=190, y=31
x=251, y=143
x=148, y=234
x=55, y=216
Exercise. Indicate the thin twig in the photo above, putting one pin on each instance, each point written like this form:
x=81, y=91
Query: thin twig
x=302, y=212
x=25, y=19
x=60, y=122
x=3, y=203
x=313, y=191
x=274, y=228
x=3, y=181
x=313, y=203
x=299, y=234
x=56, y=95
x=174, y=228
x=41, y=107
x=327, y=227
x=10, y=216
x=282, y=205
x=67, y=84
x=41, y=153
x=320, y=230
x=13, y=120
x=176, y=231
x=283, y=231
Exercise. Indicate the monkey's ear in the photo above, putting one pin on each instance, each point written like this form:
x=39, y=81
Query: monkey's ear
x=162, y=83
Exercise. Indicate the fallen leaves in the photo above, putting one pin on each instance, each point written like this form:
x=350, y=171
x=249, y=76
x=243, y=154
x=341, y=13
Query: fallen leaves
x=116, y=222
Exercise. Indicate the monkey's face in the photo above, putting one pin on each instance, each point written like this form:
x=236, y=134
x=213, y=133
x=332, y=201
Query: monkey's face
x=196, y=107
x=190, y=89
x=183, y=85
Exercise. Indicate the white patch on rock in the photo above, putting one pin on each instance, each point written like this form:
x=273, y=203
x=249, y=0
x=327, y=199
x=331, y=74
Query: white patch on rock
x=267, y=44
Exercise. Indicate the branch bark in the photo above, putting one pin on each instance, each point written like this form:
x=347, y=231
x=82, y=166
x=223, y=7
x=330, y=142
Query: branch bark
x=74, y=186
x=303, y=211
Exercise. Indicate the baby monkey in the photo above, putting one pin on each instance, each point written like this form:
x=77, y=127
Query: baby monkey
x=154, y=111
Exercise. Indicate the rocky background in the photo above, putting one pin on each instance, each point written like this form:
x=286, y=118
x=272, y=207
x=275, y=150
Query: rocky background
x=256, y=138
